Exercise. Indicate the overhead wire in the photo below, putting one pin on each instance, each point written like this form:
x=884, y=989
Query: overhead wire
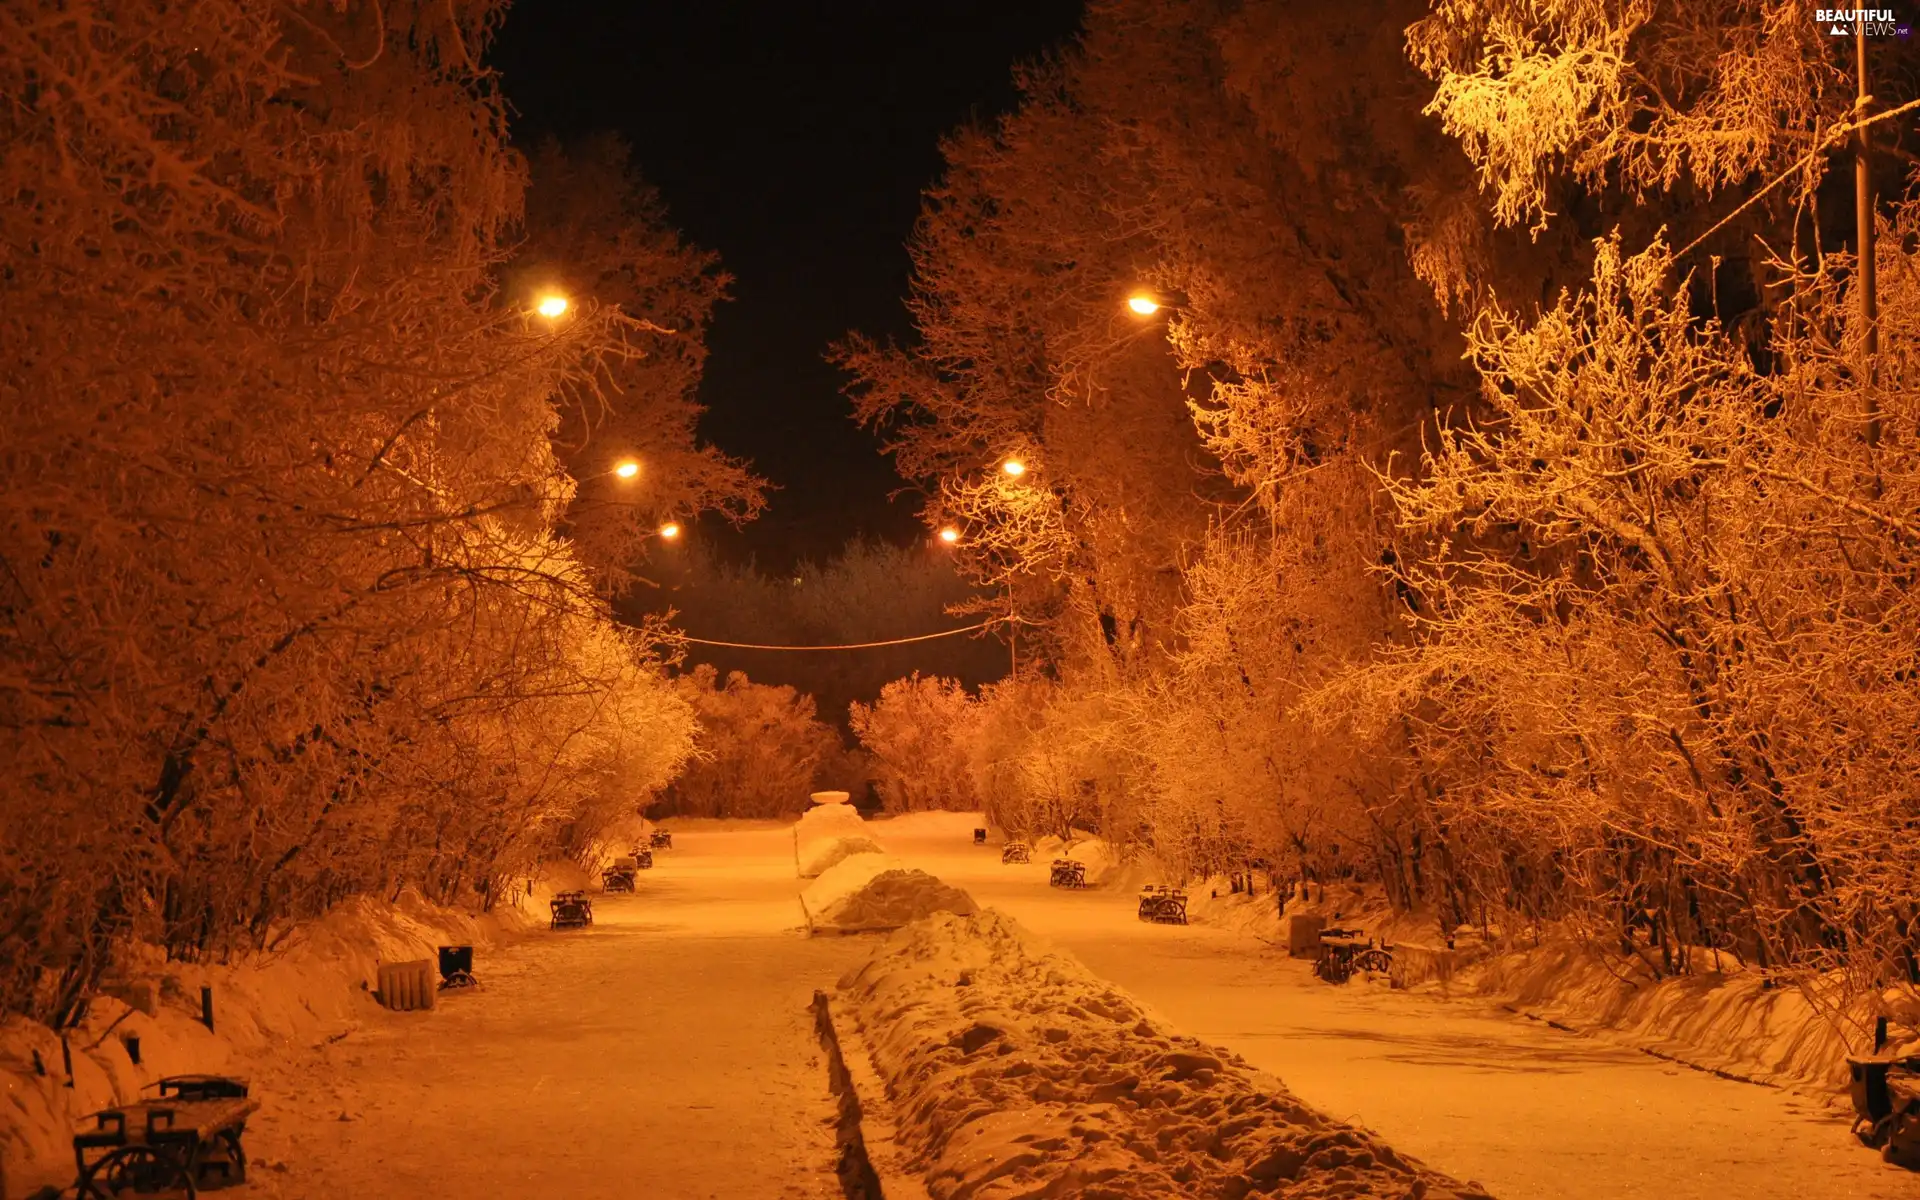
x=1833, y=137
x=924, y=637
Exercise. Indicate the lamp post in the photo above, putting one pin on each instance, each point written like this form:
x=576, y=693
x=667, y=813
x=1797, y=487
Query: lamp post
x=1863, y=226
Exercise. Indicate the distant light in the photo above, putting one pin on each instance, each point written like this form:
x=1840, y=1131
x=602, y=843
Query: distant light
x=1014, y=467
x=551, y=306
x=670, y=531
x=627, y=469
x=949, y=535
x=1143, y=304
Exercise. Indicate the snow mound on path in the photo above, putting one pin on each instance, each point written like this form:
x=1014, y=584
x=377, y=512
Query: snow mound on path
x=824, y=853
x=816, y=831
x=1017, y=1072
x=876, y=893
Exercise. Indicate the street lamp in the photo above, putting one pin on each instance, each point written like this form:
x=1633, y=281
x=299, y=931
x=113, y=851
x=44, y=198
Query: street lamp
x=551, y=306
x=1143, y=304
x=1014, y=467
x=627, y=468
x=949, y=535
x=670, y=530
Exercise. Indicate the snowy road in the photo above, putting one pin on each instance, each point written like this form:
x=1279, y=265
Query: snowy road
x=665, y=1052
x=1528, y=1111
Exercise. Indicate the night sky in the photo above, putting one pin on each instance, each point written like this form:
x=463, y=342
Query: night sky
x=794, y=139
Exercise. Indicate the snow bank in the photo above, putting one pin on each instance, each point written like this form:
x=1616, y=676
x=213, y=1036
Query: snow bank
x=869, y=893
x=815, y=833
x=1017, y=1072
x=1729, y=1022
x=1096, y=853
x=313, y=987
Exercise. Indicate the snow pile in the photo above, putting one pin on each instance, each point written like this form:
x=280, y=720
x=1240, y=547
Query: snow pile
x=1017, y=1072
x=817, y=831
x=868, y=893
x=822, y=854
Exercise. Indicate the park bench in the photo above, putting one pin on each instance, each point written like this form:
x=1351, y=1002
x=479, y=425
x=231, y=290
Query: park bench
x=1016, y=852
x=184, y=1141
x=1067, y=873
x=1885, y=1089
x=1163, y=905
x=1342, y=953
x=571, y=910
x=661, y=839
x=620, y=876
x=979, y=837
x=642, y=857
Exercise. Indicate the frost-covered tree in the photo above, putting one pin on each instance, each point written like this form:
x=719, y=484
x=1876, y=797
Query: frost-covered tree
x=760, y=751
x=288, y=617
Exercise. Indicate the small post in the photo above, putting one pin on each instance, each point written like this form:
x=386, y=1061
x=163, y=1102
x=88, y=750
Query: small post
x=66, y=1058
x=132, y=1043
x=1879, y=1034
x=206, y=1008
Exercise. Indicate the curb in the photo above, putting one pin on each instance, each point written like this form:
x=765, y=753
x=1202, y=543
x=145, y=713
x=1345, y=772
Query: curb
x=871, y=1159
x=858, y=1181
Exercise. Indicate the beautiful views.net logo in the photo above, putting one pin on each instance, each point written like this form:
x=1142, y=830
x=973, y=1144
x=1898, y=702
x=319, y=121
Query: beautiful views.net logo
x=1874, y=22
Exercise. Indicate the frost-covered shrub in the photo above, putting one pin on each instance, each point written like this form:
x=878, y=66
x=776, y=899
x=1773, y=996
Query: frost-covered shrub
x=916, y=736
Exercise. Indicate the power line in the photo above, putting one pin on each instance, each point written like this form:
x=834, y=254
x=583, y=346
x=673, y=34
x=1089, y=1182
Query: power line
x=1830, y=139
x=925, y=637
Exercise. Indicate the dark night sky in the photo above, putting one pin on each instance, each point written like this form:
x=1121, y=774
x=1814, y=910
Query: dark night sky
x=794, y=139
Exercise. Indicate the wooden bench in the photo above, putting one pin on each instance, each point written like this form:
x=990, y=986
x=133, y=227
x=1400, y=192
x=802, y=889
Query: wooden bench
x=185, y=1140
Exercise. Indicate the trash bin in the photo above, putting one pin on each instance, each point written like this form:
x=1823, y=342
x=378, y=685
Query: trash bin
x=455, y=960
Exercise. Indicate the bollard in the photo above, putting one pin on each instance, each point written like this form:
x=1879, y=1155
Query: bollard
x=132, y=1043
x=206, y=1008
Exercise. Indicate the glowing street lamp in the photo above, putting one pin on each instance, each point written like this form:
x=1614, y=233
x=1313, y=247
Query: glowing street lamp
x=949, y=535
x=1143, y=304
x=628, y=468
x=1014, y=467
x=670, y=530
x=551, y=306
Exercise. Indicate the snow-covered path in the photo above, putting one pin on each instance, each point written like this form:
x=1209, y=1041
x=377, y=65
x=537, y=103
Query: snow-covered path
x=1530, y=1112
x=666, y=1052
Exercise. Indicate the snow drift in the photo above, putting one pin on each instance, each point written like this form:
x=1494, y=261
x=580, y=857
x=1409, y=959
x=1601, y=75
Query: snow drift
x=868, y=893
x=1017, y=1072
x=815, y=833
